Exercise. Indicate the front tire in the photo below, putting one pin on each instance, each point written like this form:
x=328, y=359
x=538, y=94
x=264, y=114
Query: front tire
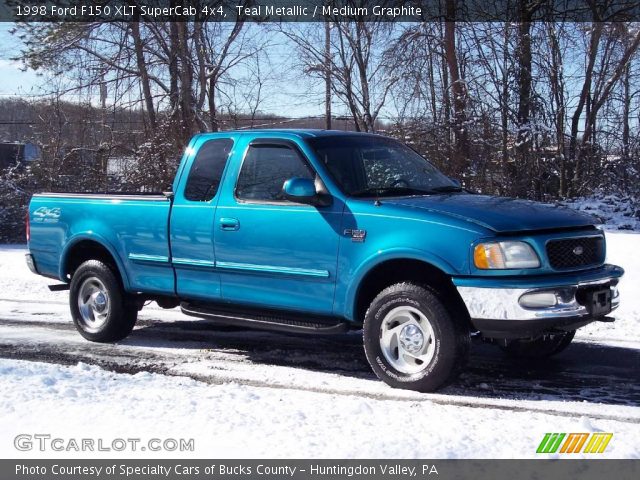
x=100, y=307
x=411, y=339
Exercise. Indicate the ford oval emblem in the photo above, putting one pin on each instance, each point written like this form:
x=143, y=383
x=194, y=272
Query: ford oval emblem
x=578, y=250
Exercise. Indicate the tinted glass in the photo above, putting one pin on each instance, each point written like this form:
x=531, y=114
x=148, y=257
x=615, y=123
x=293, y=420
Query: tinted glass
x=266, y=168
x=206, y=172
x=361, y=164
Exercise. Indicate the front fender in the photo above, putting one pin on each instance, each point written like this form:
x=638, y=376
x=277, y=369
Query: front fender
x=381, y=257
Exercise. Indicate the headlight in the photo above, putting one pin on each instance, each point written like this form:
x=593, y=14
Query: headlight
x=502, y=255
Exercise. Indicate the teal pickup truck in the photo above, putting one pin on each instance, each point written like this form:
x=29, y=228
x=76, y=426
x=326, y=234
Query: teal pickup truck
x=322, y=232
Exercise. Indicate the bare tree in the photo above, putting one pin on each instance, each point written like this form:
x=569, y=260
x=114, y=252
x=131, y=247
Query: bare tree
x=458, y=90
x=358, y=69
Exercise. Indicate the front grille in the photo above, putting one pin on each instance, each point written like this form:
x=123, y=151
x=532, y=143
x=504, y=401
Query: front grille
x=575, y=252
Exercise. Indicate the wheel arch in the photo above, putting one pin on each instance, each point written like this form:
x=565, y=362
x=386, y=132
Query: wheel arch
x=405, y=269
x=83, y=248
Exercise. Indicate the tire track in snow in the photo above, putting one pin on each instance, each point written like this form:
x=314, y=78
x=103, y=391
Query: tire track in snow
x=336, y=363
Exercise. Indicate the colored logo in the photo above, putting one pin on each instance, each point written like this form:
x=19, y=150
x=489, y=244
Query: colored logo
x=574, y=442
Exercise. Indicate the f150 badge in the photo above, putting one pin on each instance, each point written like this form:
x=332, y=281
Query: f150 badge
x=356, y=235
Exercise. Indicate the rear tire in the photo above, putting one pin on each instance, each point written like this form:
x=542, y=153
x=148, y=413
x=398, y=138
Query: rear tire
x=100, y=307
x=541, y=347
x=412, y=341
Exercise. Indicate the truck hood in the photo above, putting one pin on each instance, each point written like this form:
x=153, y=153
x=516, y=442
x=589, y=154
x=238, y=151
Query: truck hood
x=500, y=214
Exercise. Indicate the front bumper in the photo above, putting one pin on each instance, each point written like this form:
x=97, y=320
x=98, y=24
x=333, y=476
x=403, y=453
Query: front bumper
x=525, y=308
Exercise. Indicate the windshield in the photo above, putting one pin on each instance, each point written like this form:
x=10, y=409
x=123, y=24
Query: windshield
x=378, y=166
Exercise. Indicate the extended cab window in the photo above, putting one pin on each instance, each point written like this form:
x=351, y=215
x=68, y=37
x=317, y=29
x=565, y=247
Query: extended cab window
x=206, y=172
x=265, y=169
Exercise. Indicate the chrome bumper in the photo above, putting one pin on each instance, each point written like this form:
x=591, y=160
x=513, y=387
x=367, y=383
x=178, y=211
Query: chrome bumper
x=507, y=303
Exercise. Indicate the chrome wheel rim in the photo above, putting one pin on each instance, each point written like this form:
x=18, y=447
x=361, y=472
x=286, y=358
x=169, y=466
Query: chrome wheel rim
x=407, y=339
x=94, y=304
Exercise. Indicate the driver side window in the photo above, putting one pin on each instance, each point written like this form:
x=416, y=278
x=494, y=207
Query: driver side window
x=265, y=169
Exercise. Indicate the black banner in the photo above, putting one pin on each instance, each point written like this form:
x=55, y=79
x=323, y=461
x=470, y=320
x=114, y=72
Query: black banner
x=318, y=469
x=318, y=10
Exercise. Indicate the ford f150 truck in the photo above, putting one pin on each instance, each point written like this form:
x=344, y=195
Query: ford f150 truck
x=322, y=232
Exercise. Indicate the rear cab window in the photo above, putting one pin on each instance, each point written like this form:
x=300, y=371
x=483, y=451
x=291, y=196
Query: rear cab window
x=207, y=168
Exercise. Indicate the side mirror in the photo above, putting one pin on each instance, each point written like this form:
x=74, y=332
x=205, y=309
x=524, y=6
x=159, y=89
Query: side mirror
x=302, y=190
x=456, y=182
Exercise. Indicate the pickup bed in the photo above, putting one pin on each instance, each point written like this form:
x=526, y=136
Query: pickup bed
x=322, y=232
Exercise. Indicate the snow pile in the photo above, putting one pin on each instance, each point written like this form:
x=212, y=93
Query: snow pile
x=622, y=249
x=17, y=281
x=618, y=212
x=236, y=421
x=24, y=293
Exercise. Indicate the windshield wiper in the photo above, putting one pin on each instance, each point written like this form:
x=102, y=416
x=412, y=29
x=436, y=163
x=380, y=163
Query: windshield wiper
x=396, y=191
x=446, y=189
x=388, y=191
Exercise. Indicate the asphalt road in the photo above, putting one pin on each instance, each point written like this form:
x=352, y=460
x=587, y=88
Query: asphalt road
x=586, y=374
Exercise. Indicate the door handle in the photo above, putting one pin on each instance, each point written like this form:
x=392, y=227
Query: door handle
x=227, y=223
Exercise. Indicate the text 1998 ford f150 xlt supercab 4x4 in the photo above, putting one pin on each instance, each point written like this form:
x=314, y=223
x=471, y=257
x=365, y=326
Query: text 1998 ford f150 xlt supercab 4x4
x=320, y=232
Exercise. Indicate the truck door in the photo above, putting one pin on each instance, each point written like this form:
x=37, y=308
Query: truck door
x=192, y=220
x=270, y=251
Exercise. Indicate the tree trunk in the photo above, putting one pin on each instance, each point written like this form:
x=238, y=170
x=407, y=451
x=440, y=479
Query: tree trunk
x=574, y=155
x=186, y=83
x=213, y=109
x=327, y=75
x=144, y=74
x=458, y=89
x=432, y=88
x=557, y=93
x=626, y=110
x=524, y=136
x=446, y=109
x=504, y=113
x=174, y=98
x=362, y=65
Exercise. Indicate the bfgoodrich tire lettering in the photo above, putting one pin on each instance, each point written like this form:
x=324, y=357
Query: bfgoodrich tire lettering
x=411, y=339
x=100, y=308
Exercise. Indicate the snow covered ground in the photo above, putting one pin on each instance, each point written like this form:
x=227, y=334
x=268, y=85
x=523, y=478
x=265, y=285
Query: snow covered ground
x=622, y=249
x=267, y=395
x=233, y=421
